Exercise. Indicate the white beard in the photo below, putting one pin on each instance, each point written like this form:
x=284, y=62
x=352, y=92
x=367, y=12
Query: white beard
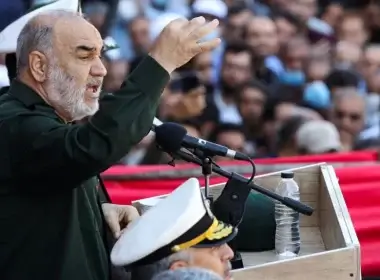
x=65, y=95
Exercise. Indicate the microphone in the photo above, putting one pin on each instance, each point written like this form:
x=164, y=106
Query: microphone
x=171, y=137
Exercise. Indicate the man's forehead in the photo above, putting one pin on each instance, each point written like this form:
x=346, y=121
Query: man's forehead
x=74, y=33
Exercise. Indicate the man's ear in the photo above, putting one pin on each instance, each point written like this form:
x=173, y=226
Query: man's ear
x=38, y=66
x=178, y=264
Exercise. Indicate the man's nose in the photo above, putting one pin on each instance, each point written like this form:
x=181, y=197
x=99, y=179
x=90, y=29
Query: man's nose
x=98, y=69
x=227, y=252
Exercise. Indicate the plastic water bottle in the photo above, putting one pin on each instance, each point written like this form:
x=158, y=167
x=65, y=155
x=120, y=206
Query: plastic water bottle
x=287, y=240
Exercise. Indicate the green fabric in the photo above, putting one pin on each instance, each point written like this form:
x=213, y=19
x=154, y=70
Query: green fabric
x=257, y=229
x=51, y=220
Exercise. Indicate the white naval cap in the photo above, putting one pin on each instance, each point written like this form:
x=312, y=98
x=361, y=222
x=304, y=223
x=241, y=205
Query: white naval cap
x=179, y=221
x=9, y=35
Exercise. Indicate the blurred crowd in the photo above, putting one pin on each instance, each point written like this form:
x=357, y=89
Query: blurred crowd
x=291, y=77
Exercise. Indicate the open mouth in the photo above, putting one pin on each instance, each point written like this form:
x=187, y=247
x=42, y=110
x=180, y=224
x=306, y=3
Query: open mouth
x=93, y=88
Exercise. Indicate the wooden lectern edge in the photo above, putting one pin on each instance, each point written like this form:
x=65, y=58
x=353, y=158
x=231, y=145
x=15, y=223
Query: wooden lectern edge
x=291, y=259
x=344, y=217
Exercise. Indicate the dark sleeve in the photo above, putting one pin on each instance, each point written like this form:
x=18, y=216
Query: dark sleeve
x=60, y=153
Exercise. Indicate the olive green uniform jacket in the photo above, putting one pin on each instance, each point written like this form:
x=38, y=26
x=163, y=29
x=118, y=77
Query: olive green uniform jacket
x=51, y=224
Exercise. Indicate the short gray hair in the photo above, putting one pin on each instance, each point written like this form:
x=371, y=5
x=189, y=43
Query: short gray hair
x=146, y=272
x=37, y=35
x=189, y=273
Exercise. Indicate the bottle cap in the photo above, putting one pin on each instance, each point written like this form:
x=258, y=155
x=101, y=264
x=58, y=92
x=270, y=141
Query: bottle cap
x=287, y=175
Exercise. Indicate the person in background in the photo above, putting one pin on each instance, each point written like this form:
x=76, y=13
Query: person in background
x=117, y=70
x=352, y=29
x=235, y=73
x=339, y=79
x=369, y=63
x=294, y=55
x=237, y=18
x=348, y=115
x=262, y=38
x=286, y=145
x=203, y=67
x=231, y=136
x=346, y=55
x=287, y=26
x=138, y=29
x=251, y=104
x=96, y=13
x=317, y=137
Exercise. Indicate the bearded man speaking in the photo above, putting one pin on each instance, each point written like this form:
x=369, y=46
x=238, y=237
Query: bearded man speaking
x=52, y=215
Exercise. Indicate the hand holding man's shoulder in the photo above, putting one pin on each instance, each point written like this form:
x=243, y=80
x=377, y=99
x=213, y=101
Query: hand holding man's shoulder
x=181, y=40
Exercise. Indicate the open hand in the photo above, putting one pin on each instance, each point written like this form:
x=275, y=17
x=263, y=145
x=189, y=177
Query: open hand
x=118, y=216
x=181, y=40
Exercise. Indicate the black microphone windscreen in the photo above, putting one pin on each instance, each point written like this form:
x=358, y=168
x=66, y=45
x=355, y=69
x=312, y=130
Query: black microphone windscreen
x=169, y=136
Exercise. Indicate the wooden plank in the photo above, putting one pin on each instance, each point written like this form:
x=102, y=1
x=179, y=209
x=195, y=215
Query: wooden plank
x=331, y=265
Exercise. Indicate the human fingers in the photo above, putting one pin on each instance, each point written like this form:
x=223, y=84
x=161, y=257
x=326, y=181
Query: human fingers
x=207, y=45
x=203, y=30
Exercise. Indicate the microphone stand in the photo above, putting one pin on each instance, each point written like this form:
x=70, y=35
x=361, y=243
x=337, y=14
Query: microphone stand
x=207, y=171
x=233, y=219
x=291, y=203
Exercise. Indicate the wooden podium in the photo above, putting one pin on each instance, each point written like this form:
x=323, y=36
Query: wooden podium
x=330, y=248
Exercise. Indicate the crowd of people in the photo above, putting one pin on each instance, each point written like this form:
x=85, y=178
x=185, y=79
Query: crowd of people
x=291, y=77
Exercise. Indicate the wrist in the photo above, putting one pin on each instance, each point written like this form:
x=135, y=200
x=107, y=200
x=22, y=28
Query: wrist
x=169, y=67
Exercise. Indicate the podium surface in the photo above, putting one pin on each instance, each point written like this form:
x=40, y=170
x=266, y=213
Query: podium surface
x=329, y=246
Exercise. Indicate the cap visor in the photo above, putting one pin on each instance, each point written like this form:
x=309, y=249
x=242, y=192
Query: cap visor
x=224, y=233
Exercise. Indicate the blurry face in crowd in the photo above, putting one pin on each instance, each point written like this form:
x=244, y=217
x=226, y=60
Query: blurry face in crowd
x=232, y=139
x=303, y=9
x=75, y=71
x=317, y=69
x=203, y=66
x=333, y=14
x=216, y=259
x=370, y=61
x=348, y=114
x=251, y=104
x=117, y=71
x=347, y=53
x=296, y=54
x=281, y=4
x=351, y=29
x=285, y=30
x=233, y=30
x=262, y=36
x=139, y=31
x=236, y=71
x=372, y=14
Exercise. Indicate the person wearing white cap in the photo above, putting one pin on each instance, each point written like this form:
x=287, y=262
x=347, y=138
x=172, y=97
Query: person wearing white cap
x=180, y=231
x=187, y=274
x=318, y=137
x=54, y=213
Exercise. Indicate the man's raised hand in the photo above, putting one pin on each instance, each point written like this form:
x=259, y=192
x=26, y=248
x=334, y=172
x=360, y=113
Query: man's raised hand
x=181, y=40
